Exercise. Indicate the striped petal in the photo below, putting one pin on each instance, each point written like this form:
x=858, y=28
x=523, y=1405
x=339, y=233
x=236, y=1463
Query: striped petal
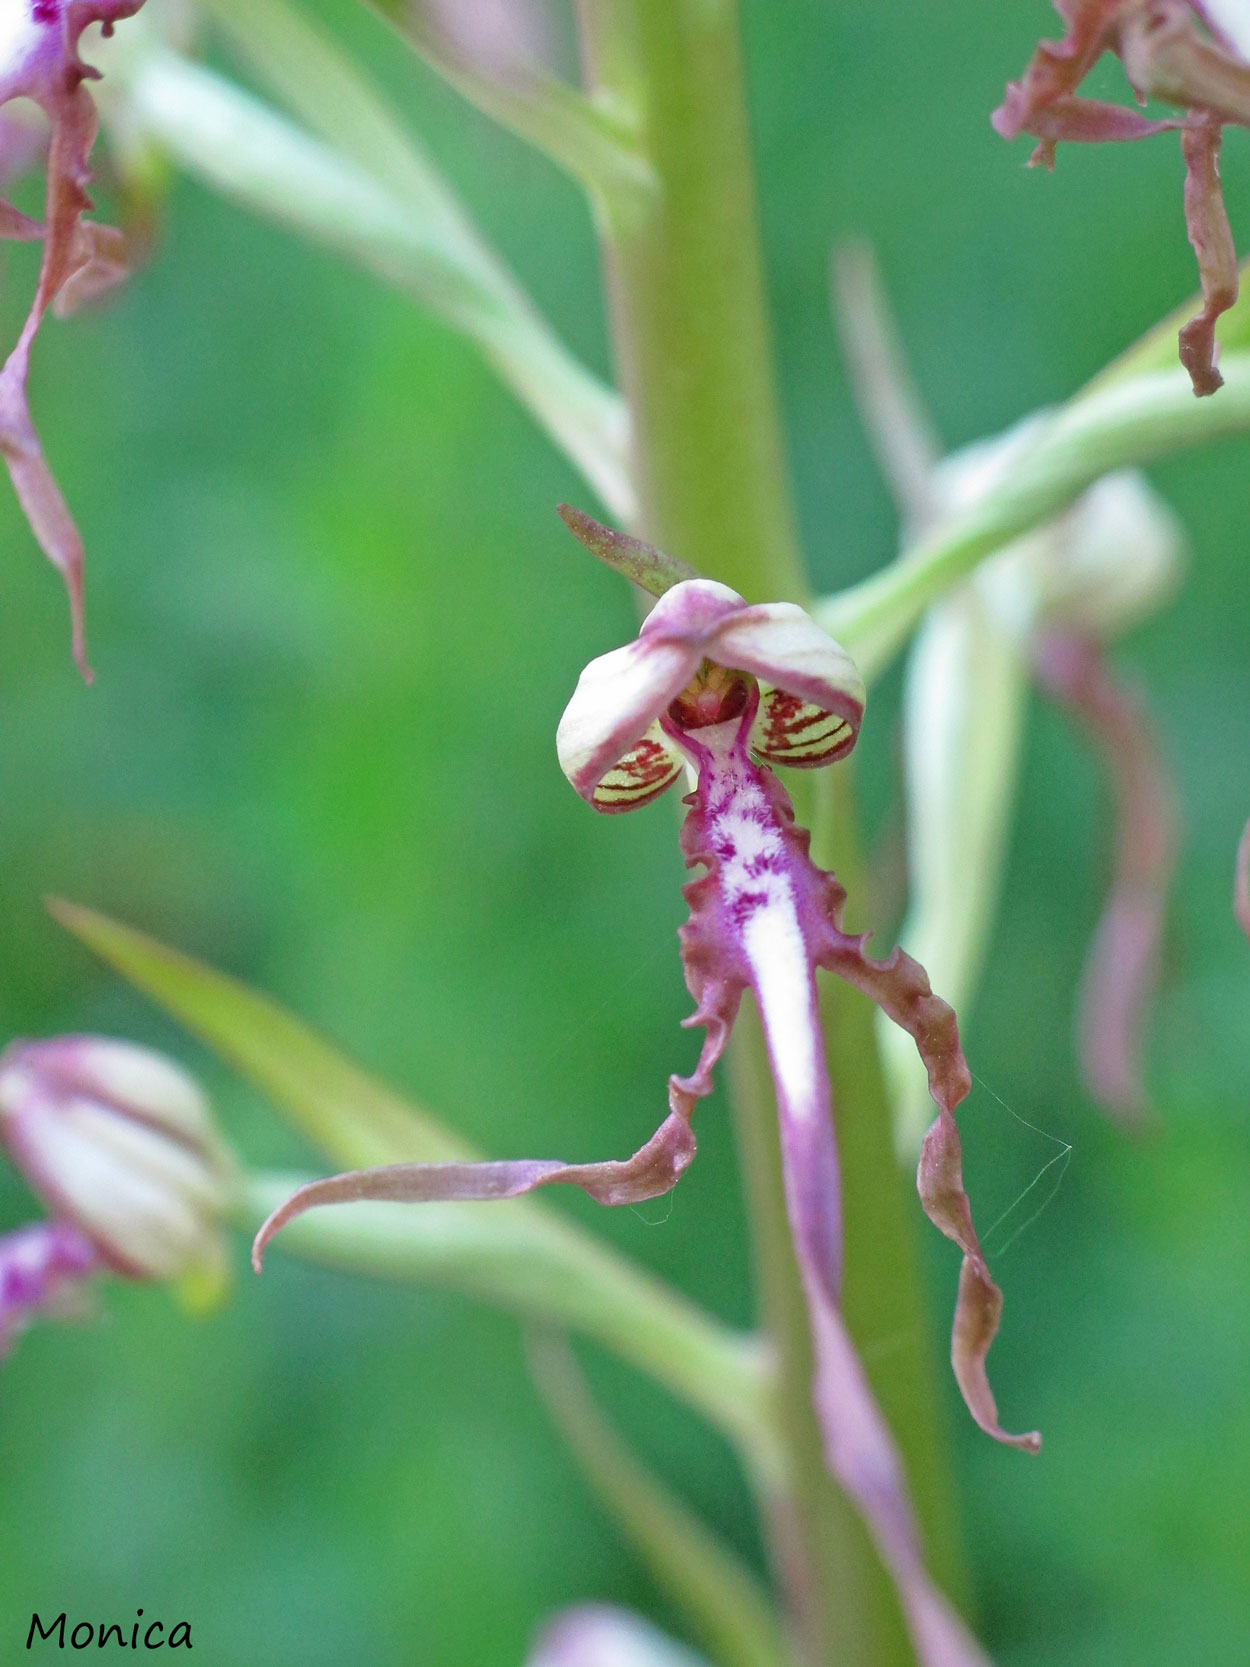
x=645, y=772
x=798, y=733
x=814, y=699
x=609, y=741
x=620, y=696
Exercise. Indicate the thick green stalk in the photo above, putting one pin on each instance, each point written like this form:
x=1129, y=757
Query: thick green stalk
x=693, y=356
x=686, y=296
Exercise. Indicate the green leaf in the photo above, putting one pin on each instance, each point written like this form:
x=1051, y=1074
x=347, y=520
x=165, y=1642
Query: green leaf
x=353, y=1118
x=519, y=1254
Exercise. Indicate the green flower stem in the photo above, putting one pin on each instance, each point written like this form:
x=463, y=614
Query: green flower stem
x=686, y=297
x=728, y=1611
x=584, y=137
x=523, y=1258
x=889, y=1318
x=1116, y=423
x=693, y=357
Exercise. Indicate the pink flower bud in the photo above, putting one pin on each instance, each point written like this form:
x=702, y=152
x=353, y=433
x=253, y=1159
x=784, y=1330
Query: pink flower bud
x=119, y=1141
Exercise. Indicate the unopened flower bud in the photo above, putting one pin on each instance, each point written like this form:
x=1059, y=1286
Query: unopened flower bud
x=1116, y=558
x=119, y=1141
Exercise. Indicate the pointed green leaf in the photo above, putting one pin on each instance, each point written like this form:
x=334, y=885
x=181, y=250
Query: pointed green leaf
x=352, y=1117
x=522, y=1254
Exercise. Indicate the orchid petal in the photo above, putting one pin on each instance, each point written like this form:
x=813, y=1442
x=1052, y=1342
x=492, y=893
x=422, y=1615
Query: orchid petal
x=18, y=227
x=102, y=262
x=649, y=768
x=741, y=827
x=900, y=988
x=782, y=645
x=1122, y=968
x=620, y=695
x=760, y=917
x=119, y=1141
x=1168, y=58
x=73, y=130
x=1057, y=68
x=1111, y=562
x=1206, y=220
x=1091, y=121
x=41, y=1266
x=618, y=698
x=652, y=1171
x=41, y=62
x=810, y=715
x=1241, y=883
x=815, y=705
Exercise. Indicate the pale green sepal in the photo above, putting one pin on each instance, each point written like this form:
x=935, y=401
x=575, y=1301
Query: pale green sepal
x=965, y=698
x=354, y=1119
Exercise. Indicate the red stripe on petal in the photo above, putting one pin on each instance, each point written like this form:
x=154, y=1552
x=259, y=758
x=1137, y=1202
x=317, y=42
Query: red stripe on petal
x=795, y=732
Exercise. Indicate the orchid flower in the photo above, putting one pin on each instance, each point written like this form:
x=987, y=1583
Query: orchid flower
x=721, y=690
x=1171, y=50
x=39, y=60
x=1241, y=883
x=119, y=1144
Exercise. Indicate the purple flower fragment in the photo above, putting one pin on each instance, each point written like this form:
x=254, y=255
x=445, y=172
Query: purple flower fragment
x=1171, y=51
x=720, y=690
x=43, y=1268
x=39, y=60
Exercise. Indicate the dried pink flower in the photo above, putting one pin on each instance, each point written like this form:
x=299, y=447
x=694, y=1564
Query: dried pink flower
x=1171, y=52
x=39, y=60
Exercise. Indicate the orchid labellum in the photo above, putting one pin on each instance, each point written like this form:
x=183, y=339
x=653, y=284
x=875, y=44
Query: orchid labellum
x=723, y=690
x=39, y=60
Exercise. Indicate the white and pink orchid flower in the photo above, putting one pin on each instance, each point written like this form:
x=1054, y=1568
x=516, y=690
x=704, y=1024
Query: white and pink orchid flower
x=119, y=1142
x=39, y=60
x=724, y=689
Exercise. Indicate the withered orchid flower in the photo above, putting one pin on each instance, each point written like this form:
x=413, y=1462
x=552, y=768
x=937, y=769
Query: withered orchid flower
x=39, y=60
x=724, y=690
x=119, y=1145
x=1173, y=51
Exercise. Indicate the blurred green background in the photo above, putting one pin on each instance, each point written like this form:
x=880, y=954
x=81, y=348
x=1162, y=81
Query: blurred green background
x=334, y=622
